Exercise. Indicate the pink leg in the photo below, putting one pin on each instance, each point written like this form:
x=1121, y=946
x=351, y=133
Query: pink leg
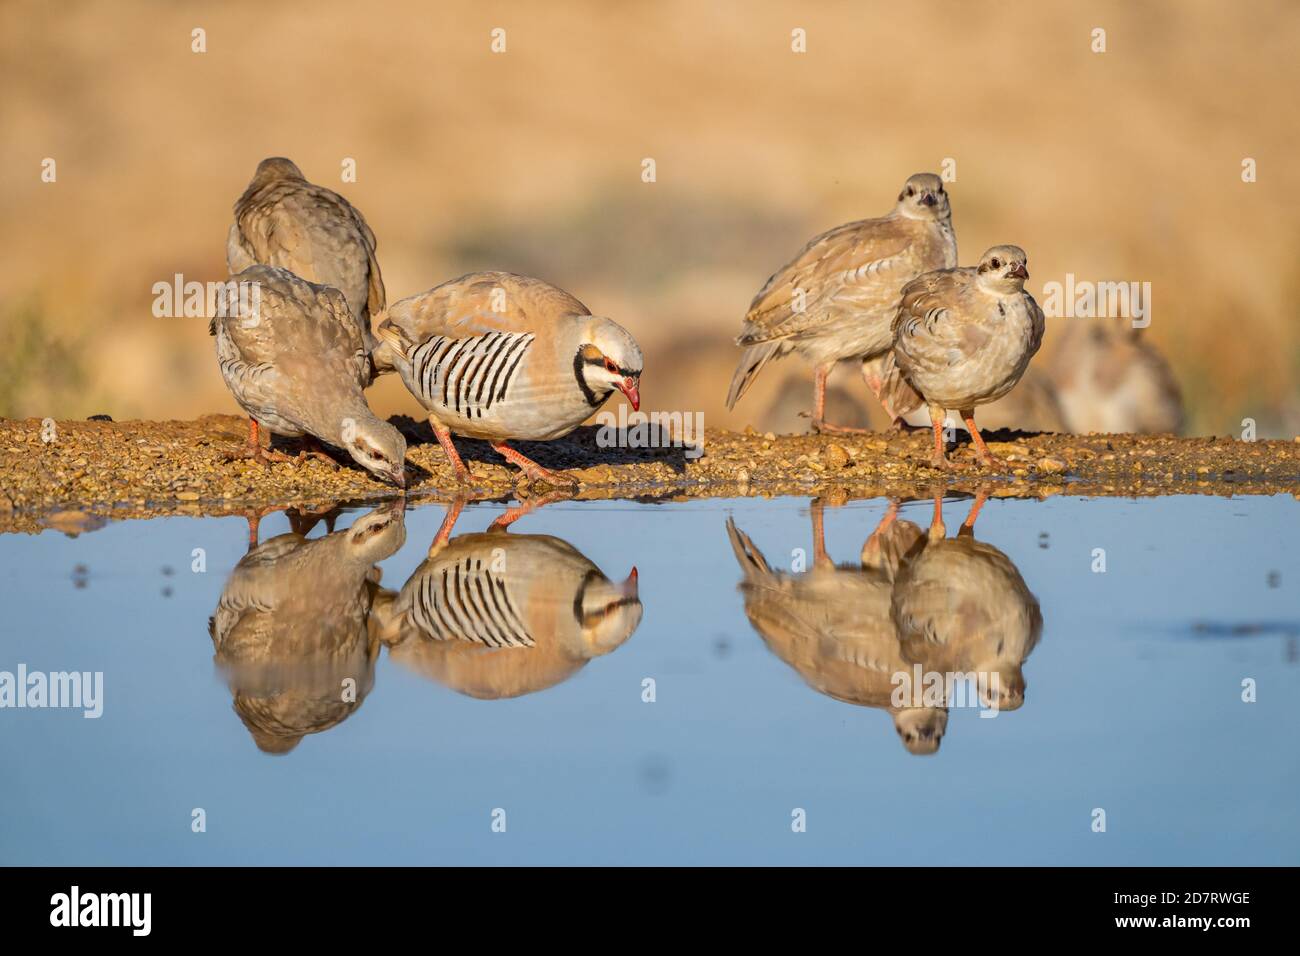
x=530, y=467
x=444, y=439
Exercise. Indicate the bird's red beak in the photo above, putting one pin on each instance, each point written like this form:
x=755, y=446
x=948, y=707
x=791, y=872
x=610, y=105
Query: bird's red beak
x=633, y=393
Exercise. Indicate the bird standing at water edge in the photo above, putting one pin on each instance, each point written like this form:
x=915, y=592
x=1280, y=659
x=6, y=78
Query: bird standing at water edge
x=962, y=338
x=284, y=220
x=836, y=299
x=503, y=357
x=298, y=365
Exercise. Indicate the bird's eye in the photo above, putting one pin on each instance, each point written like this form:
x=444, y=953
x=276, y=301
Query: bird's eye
x=911, y=191
x=378, y=455
x=996, y=263
x=610, y=366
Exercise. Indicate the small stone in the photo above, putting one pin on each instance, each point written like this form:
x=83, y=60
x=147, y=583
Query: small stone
x=1053, y=466
x=834, y=456
x=187, y=496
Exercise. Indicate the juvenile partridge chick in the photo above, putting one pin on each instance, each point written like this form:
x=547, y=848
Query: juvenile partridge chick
x=296, y=364
x=962, y=338
x=836, y=298
x=961, y=606
x=501, y=357
x=291, y=626
x=1111, y=379
x=283, y=220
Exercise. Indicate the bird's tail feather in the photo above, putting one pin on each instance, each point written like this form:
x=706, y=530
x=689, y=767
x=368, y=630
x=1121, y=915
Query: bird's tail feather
x=749, y=558
x=896, y=394
x=751, y=363
x=391, y=343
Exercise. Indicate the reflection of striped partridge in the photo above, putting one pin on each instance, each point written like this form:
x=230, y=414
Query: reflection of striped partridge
x=836, y=299
x=291, y=628
x=296, y=364
x=496, y=614
x=963, y=337
x=832, y=624
x=283, y=220
x=960, y=605
x=498, y=356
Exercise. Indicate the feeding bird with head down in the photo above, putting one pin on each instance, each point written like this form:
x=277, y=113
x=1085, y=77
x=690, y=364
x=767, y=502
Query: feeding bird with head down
x=297, y=366
x=504, y=357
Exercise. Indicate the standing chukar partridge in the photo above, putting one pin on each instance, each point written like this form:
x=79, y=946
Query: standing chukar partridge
x=836, y=299
x=284, y=220
x=499, y=357
x=495, y=615
x=961, y=606
x=832, y=623
x=963, y=337
x=296, y=363
x=291, y=627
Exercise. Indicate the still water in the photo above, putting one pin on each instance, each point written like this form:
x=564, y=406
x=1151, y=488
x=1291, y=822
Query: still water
x=700, y=682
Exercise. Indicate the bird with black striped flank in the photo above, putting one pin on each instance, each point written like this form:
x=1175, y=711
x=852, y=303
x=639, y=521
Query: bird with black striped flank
x=835, y=300
x=497, y=614
x=504, y=357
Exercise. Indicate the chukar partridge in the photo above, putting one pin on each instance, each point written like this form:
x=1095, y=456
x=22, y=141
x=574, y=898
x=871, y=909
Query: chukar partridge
x=961, y=606
x=836, y=299
x=500, y=357
x=832, y=624
x=962, y=338
x=1109, y=378
x=291, y=627
x=295, y=362
x=284, y=220
x=496, y=615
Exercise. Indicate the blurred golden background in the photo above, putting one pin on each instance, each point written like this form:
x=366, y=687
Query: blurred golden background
x=1118, y=165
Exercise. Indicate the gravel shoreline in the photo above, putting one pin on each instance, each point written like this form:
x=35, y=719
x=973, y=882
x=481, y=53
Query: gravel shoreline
x=95, y=470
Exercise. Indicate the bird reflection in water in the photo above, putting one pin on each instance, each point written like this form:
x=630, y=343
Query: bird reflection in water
x=291, y=630
x=498, y=614
x=913, y=598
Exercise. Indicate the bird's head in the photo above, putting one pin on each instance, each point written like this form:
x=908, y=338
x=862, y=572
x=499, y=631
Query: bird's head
x=921, y=729
x=277, y=167
x=923, y=197
x=608, y=359
x=606, y=613
x=377, y=447
x=1004, y=269
x=378, y=534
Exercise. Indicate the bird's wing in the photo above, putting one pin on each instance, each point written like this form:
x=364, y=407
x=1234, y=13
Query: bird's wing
x=314, y=233
x=933, y=326
x=859, y=260
x=304, y=349
x=238, y=255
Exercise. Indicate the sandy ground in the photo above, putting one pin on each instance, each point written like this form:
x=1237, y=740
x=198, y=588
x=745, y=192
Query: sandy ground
x=94, y=470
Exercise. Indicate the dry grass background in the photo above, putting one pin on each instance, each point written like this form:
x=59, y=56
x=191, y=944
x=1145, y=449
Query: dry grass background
x=1124, y=165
